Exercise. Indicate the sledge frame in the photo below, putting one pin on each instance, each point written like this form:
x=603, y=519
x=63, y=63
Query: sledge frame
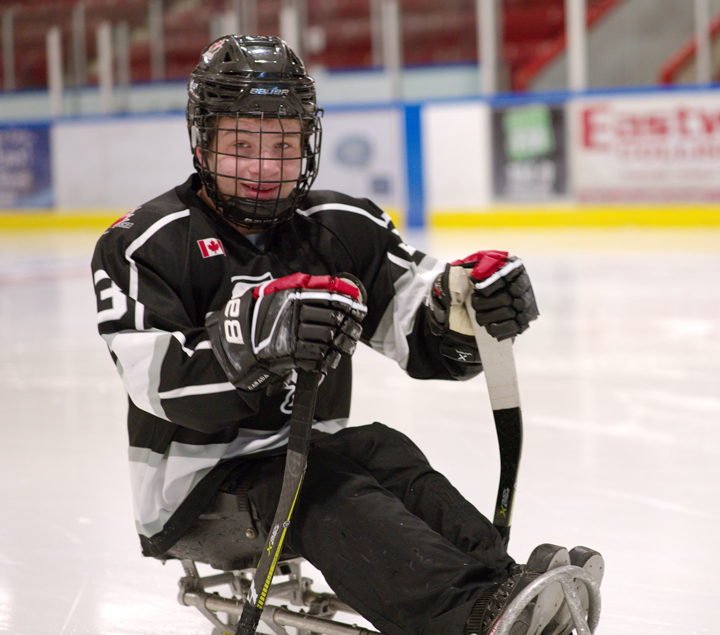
x=315, y=612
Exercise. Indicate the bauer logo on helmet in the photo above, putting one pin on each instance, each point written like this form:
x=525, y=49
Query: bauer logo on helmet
x=278, y=92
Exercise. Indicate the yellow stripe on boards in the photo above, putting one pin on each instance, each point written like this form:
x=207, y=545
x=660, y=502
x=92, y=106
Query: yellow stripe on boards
x=19, y=220
x=570, y=215
x=646, y=215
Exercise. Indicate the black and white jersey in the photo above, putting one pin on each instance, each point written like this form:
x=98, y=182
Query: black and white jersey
x=163, y=267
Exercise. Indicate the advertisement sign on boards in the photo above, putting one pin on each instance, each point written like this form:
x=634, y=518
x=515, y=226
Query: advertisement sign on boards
x=362, y=155
x=529, y=152
x=25, y=176
x=646, y=148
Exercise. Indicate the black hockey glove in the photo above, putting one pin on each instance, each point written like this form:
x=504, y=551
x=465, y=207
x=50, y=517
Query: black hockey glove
x=298, y=321
x=503, y=297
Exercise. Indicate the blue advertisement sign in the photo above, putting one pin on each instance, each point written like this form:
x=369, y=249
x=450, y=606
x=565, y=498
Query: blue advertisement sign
x=25, y=173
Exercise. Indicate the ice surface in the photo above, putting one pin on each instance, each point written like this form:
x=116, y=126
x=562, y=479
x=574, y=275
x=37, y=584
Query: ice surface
x=620, y=390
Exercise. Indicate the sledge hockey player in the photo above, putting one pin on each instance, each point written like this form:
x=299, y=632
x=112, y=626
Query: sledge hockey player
x=211, y=295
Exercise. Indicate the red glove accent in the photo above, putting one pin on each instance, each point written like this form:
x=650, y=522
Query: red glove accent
x=485, y=263
x=502, y=297
x=306, y=281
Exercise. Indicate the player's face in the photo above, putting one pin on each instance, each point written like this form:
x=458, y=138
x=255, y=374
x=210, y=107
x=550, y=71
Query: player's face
x=256, y=158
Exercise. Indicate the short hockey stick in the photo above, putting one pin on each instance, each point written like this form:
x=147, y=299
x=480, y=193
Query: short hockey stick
x=301, y=421
x=499, y=367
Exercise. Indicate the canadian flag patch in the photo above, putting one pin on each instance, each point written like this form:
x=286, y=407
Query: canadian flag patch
x=211, y=247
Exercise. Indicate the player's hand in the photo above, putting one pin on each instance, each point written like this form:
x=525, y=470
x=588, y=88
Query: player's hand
x=448, y=319
x=299, y=321
x=503, y=297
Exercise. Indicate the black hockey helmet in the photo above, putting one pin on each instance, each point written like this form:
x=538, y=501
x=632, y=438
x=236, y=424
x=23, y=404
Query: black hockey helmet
x=252, y=77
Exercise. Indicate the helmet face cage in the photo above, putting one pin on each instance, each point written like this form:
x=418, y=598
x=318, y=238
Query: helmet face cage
x=257, y=170
x=254, y=128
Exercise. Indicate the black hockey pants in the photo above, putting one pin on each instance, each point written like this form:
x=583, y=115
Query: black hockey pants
x=392, y=537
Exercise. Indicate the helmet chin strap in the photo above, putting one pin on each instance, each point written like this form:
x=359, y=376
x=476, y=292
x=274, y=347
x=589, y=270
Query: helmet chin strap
x=243, y=213
x=280, y=210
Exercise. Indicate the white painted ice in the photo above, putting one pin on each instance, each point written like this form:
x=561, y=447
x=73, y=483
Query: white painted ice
x=620, y=389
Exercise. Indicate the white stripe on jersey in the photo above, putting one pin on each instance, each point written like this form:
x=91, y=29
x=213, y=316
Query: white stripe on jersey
x=384, y=222
x=160, y=482
x=200, y=389
x=180, y=337
x=405, y=264
x=390, y=337
x=411, y=288
x=132, y=248
x=139, y=357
